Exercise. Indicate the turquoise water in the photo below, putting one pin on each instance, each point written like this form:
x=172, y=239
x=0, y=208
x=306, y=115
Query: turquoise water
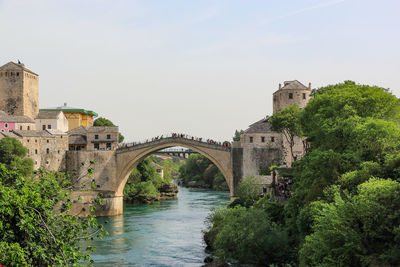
x=167, y=233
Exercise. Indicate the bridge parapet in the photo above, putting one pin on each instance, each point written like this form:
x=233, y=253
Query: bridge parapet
x=172, y=140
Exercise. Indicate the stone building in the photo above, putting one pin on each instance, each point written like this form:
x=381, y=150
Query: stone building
x=263, y=147
x=19, y=90
x=51, y=119
x=292, y=92
x=159, y=169
x=93, y=138
x=76, y=117
x=46, y=148
x=11, y=122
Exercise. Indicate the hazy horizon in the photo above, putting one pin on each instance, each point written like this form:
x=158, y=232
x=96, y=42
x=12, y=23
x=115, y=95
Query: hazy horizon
x=204, y=68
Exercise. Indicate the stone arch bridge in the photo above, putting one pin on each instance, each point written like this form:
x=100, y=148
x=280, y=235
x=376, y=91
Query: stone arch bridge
x=112, y=168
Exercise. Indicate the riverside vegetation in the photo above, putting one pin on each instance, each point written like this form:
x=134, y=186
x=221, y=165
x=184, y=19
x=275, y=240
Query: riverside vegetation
x=36, y=228
x=145, y=185
x=199, y=172
x=344, y=209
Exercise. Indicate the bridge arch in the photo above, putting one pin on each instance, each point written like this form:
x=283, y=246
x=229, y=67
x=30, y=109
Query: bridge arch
x=129, y=157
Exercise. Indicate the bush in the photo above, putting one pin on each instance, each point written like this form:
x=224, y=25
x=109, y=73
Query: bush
x=359, y=230
x=248, y=191
x=31, y=233
x=249, y=236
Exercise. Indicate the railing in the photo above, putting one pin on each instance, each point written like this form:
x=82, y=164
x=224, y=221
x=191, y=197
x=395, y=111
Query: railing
x=177, y=138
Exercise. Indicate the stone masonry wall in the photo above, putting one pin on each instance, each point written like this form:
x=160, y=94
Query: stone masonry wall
x=11, y=95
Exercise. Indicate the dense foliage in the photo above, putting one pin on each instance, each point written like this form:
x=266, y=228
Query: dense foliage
x=287, y=121
x=144, y=183
x=106, y=122
x=345, y=205
x=35, y=226
x=199, y=171
x=12, y=154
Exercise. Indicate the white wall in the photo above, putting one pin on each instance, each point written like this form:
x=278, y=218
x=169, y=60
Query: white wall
x=61, y=123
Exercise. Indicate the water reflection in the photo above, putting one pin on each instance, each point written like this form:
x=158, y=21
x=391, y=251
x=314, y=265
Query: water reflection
x=167, y=233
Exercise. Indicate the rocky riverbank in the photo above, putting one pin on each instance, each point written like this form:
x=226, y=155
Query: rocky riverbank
x=166, y=191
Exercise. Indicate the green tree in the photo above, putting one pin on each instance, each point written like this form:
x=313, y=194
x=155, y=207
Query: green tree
x=106, y=122
x=200, y=170
x=248, y=191
x=287, y=121
x=236, y=137
x=12, y=154
x=360, y=230
x=32, y=233
x=249, y=235
x=143, y=182
x=329, y=118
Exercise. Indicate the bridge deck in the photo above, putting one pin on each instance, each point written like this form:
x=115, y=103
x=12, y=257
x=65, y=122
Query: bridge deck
x=173, y=141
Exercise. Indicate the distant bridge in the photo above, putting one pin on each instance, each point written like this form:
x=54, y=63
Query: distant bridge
x=177, y=152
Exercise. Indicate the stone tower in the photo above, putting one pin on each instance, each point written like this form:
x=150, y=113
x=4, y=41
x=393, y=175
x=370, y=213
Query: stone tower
x=292, y=92
x=19, y=90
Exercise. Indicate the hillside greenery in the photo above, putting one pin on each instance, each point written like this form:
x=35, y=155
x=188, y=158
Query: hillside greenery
x=144, y=183
x=199, y=171
x=344, y=210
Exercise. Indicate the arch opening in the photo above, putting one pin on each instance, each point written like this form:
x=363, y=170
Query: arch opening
x=132, y=158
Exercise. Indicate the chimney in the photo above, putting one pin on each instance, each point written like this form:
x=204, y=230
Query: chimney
x=280, y=86
x=309, y=85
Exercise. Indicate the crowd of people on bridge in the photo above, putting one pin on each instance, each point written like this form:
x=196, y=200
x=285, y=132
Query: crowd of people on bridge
x=178, y=135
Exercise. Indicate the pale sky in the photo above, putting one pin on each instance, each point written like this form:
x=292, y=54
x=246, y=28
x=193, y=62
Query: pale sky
x=200, y=67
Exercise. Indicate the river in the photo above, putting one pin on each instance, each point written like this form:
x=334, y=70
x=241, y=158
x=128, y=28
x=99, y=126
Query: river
x=167, y=233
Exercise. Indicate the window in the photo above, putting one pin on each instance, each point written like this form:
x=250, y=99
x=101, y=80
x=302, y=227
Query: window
x=36, y=151
x=27, y=140
x=29, y=127
x=20, y=127
x=108, y=136
x=272, y=139
x=251, y=139
x=304, y=95
x=58, y=151
x=44, y=127
x=290, y=95
x=35, y=162
x=6, y=125
x=108, y=147
x=262, y=139
x=96, y=136
x=17, y=73
x=47, y=150
x=35, y=140
x=96, y=146
x=47, y=140
x=48, y=126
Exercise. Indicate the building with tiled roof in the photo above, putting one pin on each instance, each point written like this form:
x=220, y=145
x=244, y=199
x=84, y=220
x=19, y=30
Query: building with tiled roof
x=292, y=92
x=51, y=119
x=76, y=117
x=93, y=138
x=12, y=122
x=262, y=147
